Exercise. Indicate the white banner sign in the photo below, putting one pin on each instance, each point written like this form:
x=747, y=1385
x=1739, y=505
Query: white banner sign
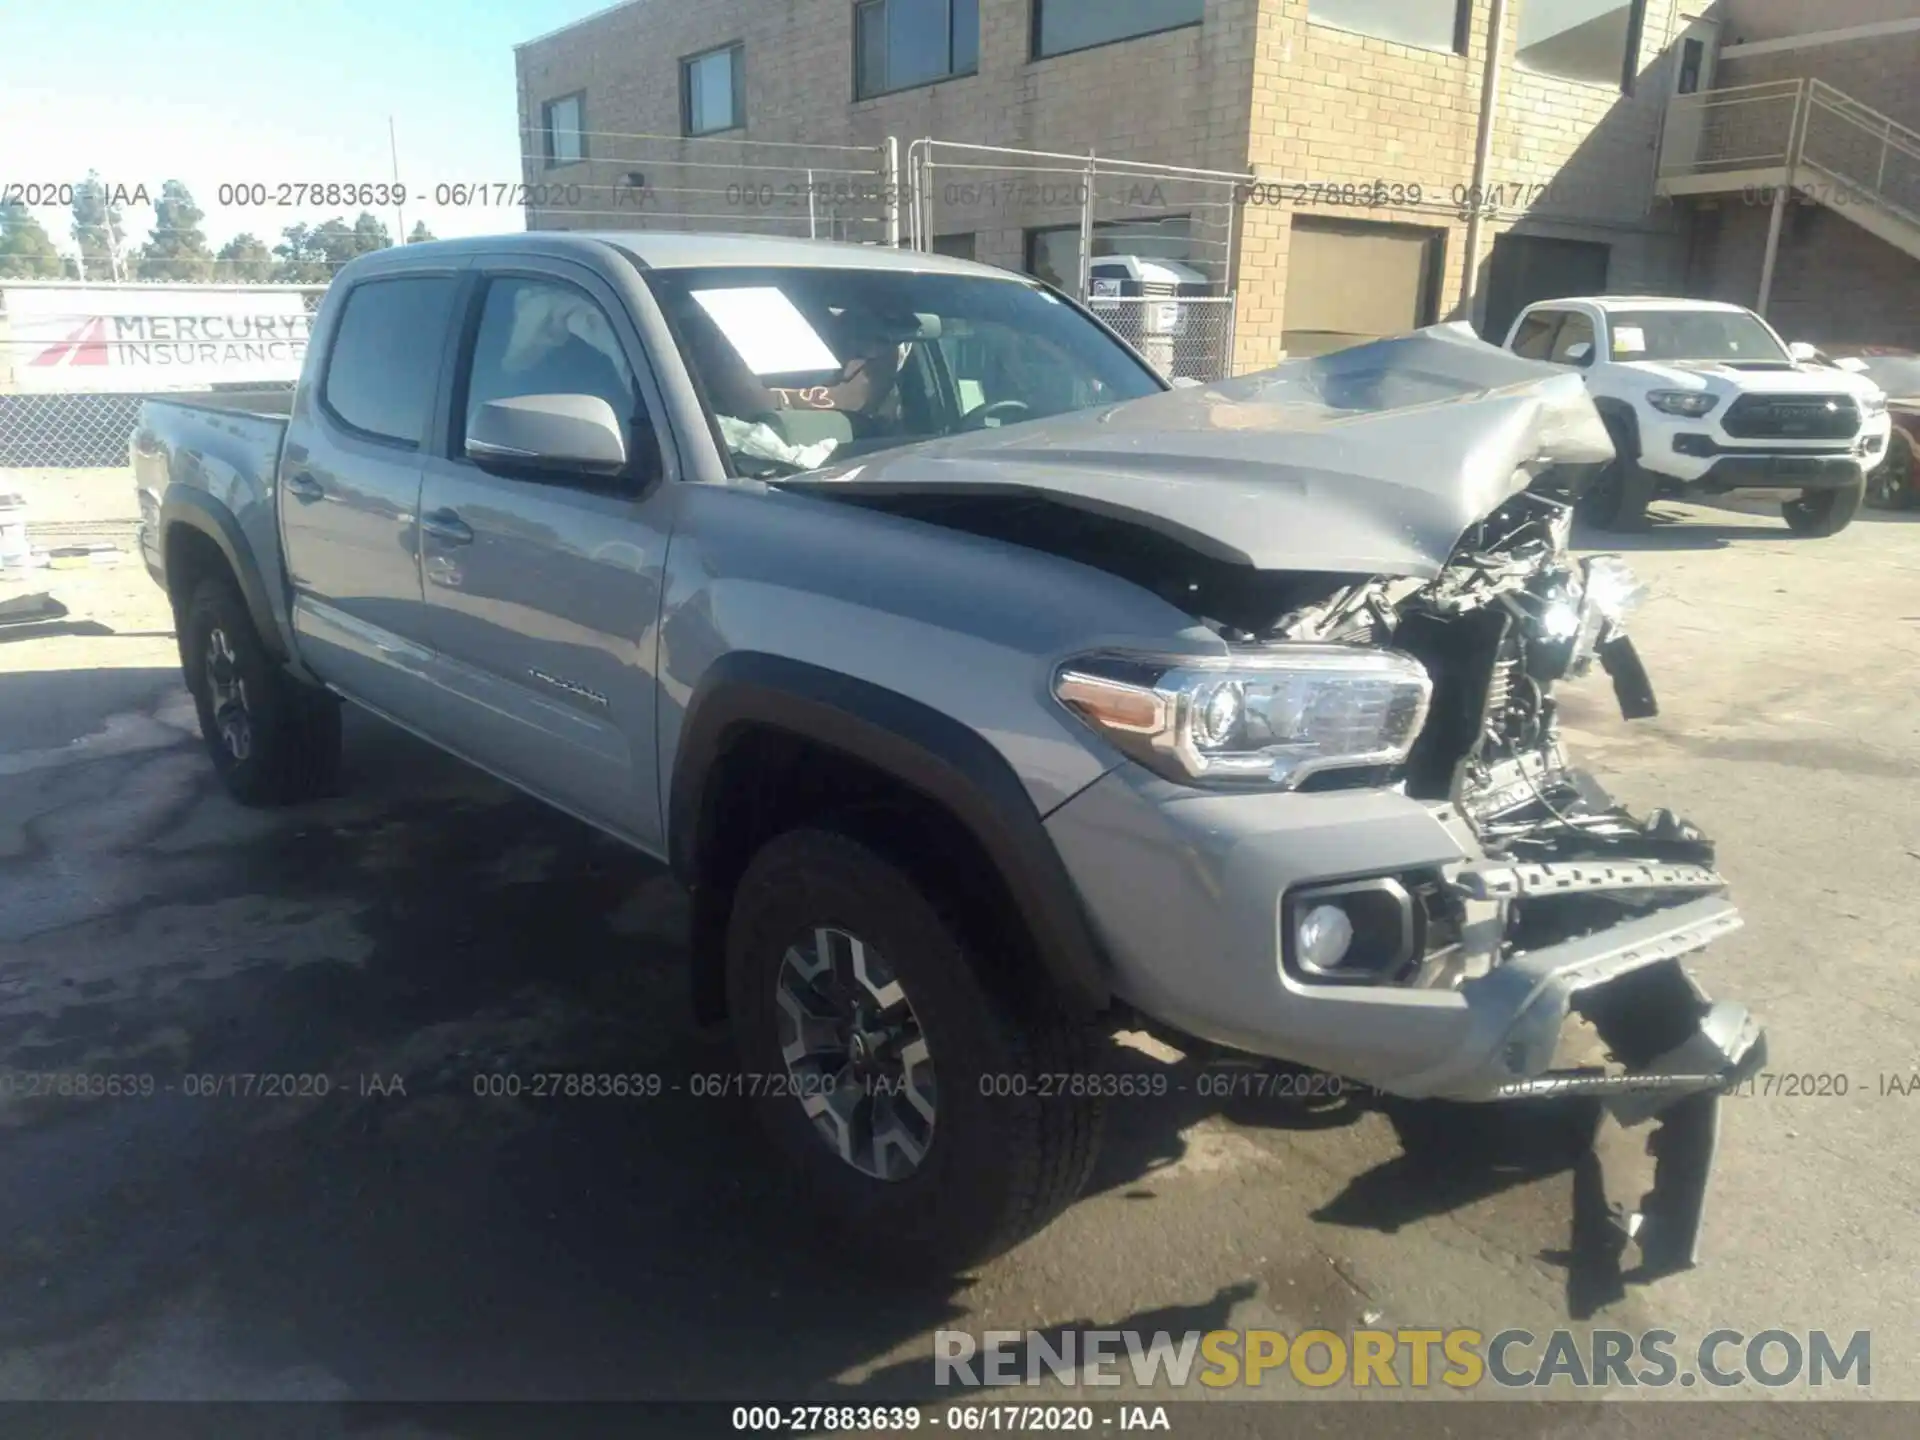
x=90, y=339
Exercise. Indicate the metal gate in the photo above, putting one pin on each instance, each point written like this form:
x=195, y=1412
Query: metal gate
x=636, y=181
x=1149, y=247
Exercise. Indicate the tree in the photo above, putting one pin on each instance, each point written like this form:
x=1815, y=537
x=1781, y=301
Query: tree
x=26, y=250
x=370, y=233
x=177, y=249
x=243, y=259
x=420, y=234
x=99, y=230
x=310, y=255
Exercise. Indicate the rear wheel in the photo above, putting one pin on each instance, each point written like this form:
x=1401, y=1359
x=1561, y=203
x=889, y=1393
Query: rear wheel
x=1893, y=485
x=273, y=739
x=1824, y=512
x=1617, y=497
x=925, y=1111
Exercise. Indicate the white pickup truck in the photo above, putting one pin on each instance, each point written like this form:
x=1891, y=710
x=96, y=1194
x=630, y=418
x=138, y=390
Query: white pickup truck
x=1704, y=397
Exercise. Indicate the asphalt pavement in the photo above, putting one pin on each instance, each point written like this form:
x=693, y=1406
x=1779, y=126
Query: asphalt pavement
x=370, y=1223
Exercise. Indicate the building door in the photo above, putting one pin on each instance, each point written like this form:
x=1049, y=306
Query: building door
x=1692, y=75
x=1349, y=282
x=1527, y=268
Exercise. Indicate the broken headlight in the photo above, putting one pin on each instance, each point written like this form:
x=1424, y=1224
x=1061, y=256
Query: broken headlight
x=1270, y=716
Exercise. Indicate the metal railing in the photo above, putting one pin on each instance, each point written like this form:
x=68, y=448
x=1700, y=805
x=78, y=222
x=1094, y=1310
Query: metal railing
x=1743, y=127
x=1841, y=152
x=1874, y=156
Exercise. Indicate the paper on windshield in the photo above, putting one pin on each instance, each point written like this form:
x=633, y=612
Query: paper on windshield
x=770, y=334
x=1629, y=340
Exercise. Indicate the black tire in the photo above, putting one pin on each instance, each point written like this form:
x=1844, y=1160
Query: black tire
x=1617, y=497
x=1895, y=484
x=1820, y=513
x=291, y=747
x=996, y=1168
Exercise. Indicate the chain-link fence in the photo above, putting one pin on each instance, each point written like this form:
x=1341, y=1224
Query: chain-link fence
x=59, y=410
x=1185, y=337
x=637, y=181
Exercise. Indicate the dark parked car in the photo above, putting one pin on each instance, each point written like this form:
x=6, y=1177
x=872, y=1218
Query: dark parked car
x=1895, y=483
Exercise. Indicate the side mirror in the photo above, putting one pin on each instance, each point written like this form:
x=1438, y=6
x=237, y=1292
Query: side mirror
x=548, y=432
x=1579, y=352
x=1803, y=352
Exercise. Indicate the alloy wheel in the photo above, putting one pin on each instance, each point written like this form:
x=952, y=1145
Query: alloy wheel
x=227, y=695
x=857, y=1060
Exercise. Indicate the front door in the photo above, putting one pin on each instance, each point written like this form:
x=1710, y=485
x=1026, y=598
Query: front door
x=1692, y=76
x=543, y=591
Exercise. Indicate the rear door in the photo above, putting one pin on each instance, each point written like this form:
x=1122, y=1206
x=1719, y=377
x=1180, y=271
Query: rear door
x=543, y=591
x=351, y=476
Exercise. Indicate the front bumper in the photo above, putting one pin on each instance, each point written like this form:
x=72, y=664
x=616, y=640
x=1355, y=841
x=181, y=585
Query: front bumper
x=1184, y=889
x=1697, y=453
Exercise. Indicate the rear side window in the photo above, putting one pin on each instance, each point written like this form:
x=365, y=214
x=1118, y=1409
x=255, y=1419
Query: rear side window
x=1534, y=338
x=386, y=356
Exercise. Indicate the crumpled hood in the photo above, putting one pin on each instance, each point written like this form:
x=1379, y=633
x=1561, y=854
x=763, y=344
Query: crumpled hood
x=1372, y=460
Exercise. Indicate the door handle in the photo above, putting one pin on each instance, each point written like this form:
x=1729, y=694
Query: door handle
x=303, y=486
x=447, y=527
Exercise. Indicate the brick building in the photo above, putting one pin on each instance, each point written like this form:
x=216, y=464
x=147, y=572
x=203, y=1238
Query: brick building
x=1356, y=122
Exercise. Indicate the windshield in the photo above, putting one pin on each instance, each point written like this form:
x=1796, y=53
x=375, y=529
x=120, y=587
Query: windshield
x=1726, y=335
x=800, y=367
x=1895, y=374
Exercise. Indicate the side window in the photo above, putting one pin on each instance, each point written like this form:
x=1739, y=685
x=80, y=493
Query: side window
x=542, y=337
x=1577, y=331
x=385, y=359
x=1534, y=338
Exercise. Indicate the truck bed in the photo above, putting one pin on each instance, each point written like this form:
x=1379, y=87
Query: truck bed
x=217, y=452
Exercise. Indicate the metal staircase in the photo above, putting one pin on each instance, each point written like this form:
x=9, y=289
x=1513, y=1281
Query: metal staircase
x=1803, y=135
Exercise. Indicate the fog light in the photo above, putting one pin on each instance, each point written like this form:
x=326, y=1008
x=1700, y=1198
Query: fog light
x=1324, y=936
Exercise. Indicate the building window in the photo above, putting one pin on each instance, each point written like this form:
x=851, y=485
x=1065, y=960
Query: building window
x=1063, y=25
x=959, y=245
x=1597, y=41
x=713, y=91
x=563, y=129
x=1426, y=24
x=898, y=44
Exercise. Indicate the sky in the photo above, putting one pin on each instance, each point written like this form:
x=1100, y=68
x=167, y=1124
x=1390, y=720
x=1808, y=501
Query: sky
x=224, y=92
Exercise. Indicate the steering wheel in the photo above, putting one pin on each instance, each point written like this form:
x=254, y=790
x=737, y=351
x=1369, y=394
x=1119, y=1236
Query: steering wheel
x=977, y=419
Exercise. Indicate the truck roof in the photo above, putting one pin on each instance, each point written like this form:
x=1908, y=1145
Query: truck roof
x=682, y=250
x=1645, y=302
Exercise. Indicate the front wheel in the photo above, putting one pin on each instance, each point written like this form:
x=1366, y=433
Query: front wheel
x=927, y=1113
x=1821, y=513
x=1617, y=497
x=273, y=739
x=1895, y=485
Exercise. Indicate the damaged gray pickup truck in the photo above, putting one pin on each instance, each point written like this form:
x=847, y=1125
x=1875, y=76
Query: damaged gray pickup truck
x=985, y=690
